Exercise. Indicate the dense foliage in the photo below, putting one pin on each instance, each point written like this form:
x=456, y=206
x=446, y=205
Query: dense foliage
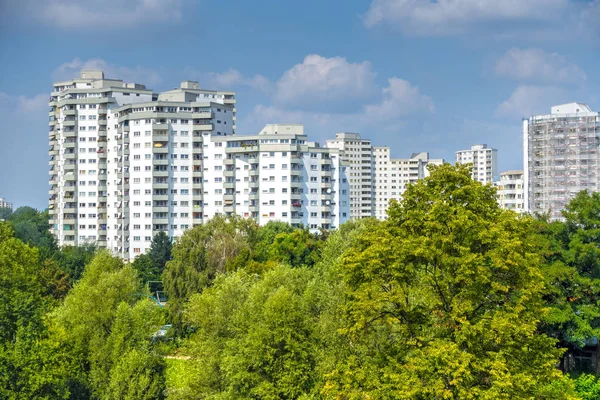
x=449, y=298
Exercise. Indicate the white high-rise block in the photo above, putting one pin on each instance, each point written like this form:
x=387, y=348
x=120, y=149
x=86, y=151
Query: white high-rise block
x=126, y=163
x=358, y=153
x=392, y=175
x=561, y=157
x=484, y=160
x=511, y=190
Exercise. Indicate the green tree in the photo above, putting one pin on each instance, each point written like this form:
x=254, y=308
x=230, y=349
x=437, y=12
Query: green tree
x=124, y=365
x=296, y=248
x=5, y=213
x=107, y=316
x=443, y=300
x=265, y=236
x=151, y=266
x=31, y=226
x=572, y=274
x=29, y=366
x=255, y=336
x=587, y=387
x=203, y=252
x=73, y=259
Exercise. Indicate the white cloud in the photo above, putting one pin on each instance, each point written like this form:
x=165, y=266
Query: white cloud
x=232, y=78
x=400, y=98
x=72, y=69
x=82, y=14
x=322, y=79
x=435, y=17
x=23, y=104
x=36, y=103
x=588, y=21
x=530, y=100
x=537, y=65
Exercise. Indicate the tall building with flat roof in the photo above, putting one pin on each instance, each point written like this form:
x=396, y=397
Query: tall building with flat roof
x=358, y=153
x=392, y=175
x=484, y=160
x=5, y=204
x=561, y=157
x=511, y=190
x=126, y=163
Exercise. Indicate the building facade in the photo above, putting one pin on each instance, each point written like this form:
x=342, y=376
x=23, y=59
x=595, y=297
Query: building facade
x=358, y=153
x=561, y=157
x=392, y=175
x=511, y=190
x=484, y=160
x=126, y=163
x=5, y=204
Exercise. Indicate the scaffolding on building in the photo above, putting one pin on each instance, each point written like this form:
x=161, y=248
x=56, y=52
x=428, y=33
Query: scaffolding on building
x=564, y=159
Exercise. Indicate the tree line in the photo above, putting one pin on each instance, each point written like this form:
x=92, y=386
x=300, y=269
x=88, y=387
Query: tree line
x=450, y=297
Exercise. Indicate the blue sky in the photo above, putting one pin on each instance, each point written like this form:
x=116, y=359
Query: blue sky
x=416, y=75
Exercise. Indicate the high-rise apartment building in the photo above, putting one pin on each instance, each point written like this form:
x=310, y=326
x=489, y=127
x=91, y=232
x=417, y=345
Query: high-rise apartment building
x=484, y=160
x=511, y=190
x=358, y=153
x=5, y=204
x=126, y=163
x=392, y=175
x=191, y=91
x=561, y=157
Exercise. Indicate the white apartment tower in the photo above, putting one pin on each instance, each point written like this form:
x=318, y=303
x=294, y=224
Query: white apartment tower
x=484, y=160
x=5, y=204
x=126, y=163
x=276, y=175
x=561, y=157
x=511, y=191
x=392, y=175
x=358, y=153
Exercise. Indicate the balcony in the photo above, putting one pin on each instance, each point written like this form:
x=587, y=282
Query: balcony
x=203, y=127
x=160, y=127
x=160, y=161
x=229, y=173
x=160, y=148
x=160, y=185
x=202, y=115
